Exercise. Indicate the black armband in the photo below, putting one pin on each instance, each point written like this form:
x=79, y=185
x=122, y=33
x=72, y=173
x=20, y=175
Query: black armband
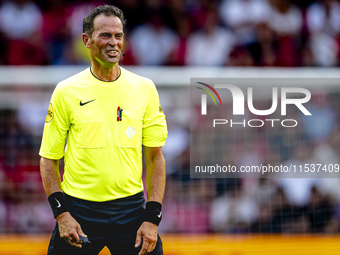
x=57, y=203
x=153, y=212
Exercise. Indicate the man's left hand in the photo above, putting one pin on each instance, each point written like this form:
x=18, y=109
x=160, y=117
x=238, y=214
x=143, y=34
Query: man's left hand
x=148, y=233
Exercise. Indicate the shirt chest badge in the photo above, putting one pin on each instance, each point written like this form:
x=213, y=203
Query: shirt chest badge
x=130, y=132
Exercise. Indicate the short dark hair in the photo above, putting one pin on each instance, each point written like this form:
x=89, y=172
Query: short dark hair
x=107, y=10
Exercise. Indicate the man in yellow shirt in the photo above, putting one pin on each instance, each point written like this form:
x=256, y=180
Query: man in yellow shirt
x=106, y=114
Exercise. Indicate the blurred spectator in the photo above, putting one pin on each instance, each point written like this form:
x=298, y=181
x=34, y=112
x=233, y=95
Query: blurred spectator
x=263, y=223
x=324, y=17
x=21, y=22
x=20, y=19
x=241, y=57
x=262, y=190
x=320, y=126
x=329, y=153
x=298, y=189
x=3, y=213
x=286, y=21
x=29, y=216
x=264, y=51
x=153, y=43
x=68, y=56
x=175, y=146
x=250, y=156
x=75, y=12
x=279, y=216
x=319, y=211
x=54, y=28
x=210, y=46
x=183, y=31
x=10, y=138
x=232, y=210
x=323, y=21
x=242, y=16
x=173, y=14
x=3, y=216
x=188, y=205
x=134, y=13
x=324, y=48
x=287, y=218
x=285, y=140
x=32, y=114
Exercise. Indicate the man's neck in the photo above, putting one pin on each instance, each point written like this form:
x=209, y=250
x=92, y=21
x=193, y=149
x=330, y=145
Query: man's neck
x=105, y=74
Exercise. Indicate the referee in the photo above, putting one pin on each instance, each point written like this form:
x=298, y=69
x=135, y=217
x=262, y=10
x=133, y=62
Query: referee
x=106, y=114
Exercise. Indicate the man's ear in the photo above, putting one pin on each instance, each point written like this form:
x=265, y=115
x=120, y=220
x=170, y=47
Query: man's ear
x=86, y=40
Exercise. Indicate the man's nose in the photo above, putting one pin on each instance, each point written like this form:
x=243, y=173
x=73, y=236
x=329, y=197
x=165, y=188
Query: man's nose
x=113, y=41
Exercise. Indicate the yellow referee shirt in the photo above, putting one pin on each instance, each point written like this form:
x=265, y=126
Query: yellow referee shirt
x=103, y=155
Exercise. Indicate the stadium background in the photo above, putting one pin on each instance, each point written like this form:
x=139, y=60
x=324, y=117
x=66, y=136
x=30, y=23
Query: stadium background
x=171, y=41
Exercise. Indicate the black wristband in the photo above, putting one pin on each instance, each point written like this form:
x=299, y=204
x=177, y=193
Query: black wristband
x=57, y=203
x=153, y=212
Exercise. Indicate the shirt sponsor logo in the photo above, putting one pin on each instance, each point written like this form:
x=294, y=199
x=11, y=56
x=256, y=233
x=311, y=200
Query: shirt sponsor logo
x=50, y=115
x=160, y=110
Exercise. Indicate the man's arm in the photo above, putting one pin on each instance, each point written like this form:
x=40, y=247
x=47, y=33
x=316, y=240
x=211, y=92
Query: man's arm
x=69, y=228
x=155, y=173
x=155, y=183
x=49, y=169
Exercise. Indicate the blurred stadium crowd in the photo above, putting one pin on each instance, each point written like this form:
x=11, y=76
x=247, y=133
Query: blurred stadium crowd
x=176, y=32
x=192, y=32
x=254, y=203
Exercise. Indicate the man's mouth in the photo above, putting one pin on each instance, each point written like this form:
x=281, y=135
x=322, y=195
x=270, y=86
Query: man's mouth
x=112, y=53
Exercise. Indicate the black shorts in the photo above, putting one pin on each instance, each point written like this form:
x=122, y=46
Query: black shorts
x=113, y=224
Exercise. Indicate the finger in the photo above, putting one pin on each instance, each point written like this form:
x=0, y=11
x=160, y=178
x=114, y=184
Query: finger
x=80, y=231
x=154, y=245
x=75, y=240
x=78, y=245
x=150, y=247
x=73, y=243
x=144, y=247
x=138, y=239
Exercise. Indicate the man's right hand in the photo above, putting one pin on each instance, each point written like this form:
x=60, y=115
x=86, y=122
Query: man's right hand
x=70, y=229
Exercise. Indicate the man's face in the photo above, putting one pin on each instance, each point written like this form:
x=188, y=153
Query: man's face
x=107, y=40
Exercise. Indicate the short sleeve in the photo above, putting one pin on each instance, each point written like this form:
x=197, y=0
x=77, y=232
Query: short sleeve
x=56, y=127
x=154, y=125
